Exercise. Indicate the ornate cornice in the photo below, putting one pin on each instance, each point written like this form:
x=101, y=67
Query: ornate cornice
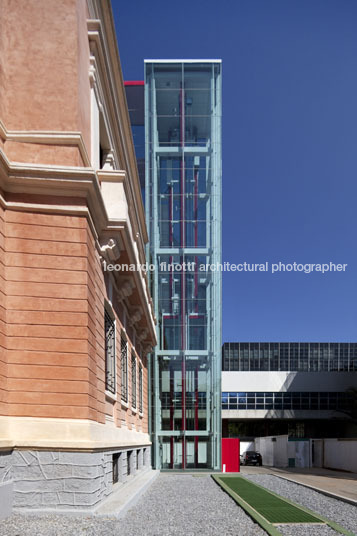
x=76, y=183
x=105, y=60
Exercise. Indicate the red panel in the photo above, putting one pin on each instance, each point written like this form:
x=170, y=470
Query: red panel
x=230, y=455
x=134, y=83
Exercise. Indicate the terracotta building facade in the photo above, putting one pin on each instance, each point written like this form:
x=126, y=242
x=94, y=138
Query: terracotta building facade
x=74, y=335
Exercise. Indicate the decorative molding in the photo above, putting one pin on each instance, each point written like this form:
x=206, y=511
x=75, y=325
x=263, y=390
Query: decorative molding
x=64, y=181
x=109, y=175
x=144, y=333
x=103, y=46
x=131, y=232
x=147, y=348
x=65, y=434
x=110, y=250
x=43, y=137
x=108, y=80
x=82, y=183
x=136, y=314
x=109, y=161
x=125, y=288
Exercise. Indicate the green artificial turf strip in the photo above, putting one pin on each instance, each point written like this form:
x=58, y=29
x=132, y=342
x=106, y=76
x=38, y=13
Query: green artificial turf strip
x=274, y=509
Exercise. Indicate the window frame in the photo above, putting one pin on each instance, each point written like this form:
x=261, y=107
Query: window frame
x=133, y=380
x=124, y=368
x=110, y=360
x=141, y=383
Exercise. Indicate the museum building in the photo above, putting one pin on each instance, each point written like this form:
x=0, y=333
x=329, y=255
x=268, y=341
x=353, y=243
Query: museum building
x=74, y=337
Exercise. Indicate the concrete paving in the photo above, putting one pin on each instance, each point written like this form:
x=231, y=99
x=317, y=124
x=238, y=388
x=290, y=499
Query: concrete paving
x=338, y=484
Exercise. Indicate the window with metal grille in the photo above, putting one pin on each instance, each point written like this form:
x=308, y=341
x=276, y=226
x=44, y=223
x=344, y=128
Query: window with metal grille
x=129, y=462
x=116, y=458
x=140, y=388
x=124, y=370
x=133, y=381
x=109, y=352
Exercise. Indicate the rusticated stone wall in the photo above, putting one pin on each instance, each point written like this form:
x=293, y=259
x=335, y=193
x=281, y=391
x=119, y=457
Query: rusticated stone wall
x=67, y=480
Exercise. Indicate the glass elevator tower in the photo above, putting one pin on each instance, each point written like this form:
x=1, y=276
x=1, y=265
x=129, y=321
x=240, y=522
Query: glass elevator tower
x=183, y=211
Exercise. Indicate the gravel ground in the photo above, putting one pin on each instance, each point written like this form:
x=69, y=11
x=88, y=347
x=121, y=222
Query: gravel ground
x=173, y=505
x=187, y=505
x=343, y=513
x=304, y=530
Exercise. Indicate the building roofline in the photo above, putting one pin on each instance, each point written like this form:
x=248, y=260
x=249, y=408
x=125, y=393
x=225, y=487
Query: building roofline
x=290, y=342
x=183, y=61
x=134, y=83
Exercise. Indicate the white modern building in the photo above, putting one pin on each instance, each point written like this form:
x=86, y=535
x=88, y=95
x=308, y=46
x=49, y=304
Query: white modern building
x=301, y=390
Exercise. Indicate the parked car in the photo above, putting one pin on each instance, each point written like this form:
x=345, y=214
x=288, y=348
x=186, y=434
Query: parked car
x=250, y=457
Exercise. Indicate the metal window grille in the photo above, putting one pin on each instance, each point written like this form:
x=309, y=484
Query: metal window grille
x=124, y=370
x=109, y=352
x=133, y=381
x=129, y=459
x=116, y=457
x=140, y=389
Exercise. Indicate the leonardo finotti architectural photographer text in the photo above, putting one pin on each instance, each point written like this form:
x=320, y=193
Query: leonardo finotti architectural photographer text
x=192, y=266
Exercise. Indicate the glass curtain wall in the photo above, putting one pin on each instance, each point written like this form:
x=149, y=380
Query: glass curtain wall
x=183, y=211
x=290, y=356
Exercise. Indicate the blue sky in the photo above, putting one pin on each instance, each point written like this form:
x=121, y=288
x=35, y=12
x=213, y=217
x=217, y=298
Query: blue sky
x=289, y=150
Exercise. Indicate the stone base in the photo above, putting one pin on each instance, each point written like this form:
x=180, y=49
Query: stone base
x=6, y=499
x=51, y=480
